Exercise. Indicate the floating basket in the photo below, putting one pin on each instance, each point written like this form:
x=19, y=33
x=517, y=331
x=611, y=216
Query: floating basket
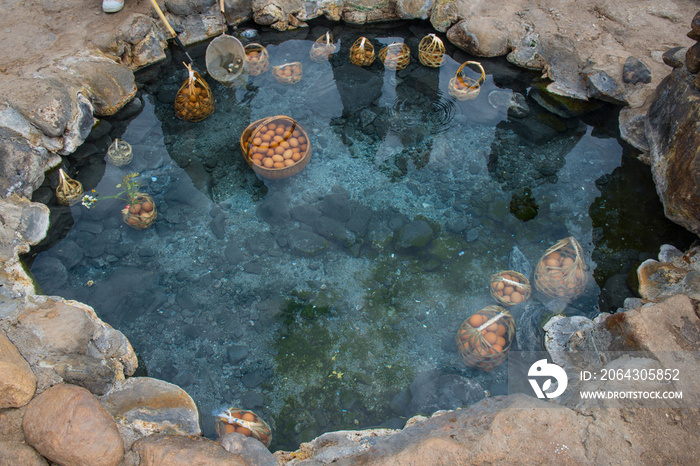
x=431, y=51
x=141, y=213
x=462, y=87
x=289, y=73
x=484, y=339
x=69, y=191
x=395, y=56
x=323, y=48
x=194, y=101
x=119, y=153
x=561, y=272
x=276, y=147
x=257, y=59
x=244, y=422
x=362, y=52
x=510, y=288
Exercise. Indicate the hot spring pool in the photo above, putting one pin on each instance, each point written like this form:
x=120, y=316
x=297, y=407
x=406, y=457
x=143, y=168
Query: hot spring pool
x=302, y=299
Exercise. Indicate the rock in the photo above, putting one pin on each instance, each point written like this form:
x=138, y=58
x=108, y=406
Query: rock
x=218, y=226
x=252, y=379
x=602, y=87
x=305, y=213
x=250, y=449
x=18, y=382
x=67, y=425
x=306, y=243
x=171, y=450
x=334, y=230
x=415, y=234
x=68, y=252
x=51, y=271
x=692, y=58
x=635, y=71
x=414, y=9
x=673, y=132
x=233, y=254
x=186, y=7
x=558, y=330
x=435, y=390
x=236, y=353
x=274, y=209
x=675, y=57
x=90, y=373
x=20, y=453
x=518, y=107
x=142, y=286
x=151, y=406
x=631, y=121
x=110, y=85
x=483, y=37
x=659, y=280
x=34, y=217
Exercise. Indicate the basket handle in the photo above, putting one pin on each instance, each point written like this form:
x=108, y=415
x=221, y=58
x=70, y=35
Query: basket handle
x=481, y=79
x=491, y=321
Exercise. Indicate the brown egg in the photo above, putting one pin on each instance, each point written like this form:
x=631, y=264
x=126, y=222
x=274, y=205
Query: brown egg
x=500, y=286
x=279, y=150
x=578, y=274
x=567, y=262
x=301, y=139
x=516, y=297
x=279, y=130
x=296, y=133
x=257, y=162
x=552, y=262
x=463, y=335
x=267, y=162
x=296, y=156
x=285, y=145
x=263, y=129
x=288, y=162
x=501, y=330
x=257, y=141
x=288, y=154
x=135, y=208
x=508, y=290
x=277, y=158
x=146, y=206
x=491, y=338
x=271, y=126
x=278, y=165
x=248, y=416
x=497, y=348
x=501, y=342
x=257, y=155
x=554, y=255
x=476, y=320
x=293, y=142
x=505, y=298
x=244, y=430
x=133, y=221
x=229, y=428
x=266, y=137
x=492, y=327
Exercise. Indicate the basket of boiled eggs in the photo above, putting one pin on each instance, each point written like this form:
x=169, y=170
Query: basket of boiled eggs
x=561, y=272
x=230, y=420
x=484, y=339
x=510, y=288
x=276, y=147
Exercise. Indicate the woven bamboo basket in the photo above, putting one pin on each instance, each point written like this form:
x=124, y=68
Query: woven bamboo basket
x=119, y=153
x=510, y=288
x=484, y=339
x=257, y=59
x=273, y=153
x=141, y=213
x=463, y=87
x=395, y=56
x=69, y=191
x=431, y=51
x=244, y=422
x=289, y=73
x=194, y=101
x=362, y=52
x=561, y=272
x=323, y=48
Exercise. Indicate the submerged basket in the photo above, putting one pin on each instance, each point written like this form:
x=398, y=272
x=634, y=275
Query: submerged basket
x=257, y=59
x=462, y=87
x=119, y=153
x=362, y=52
x=323, y=48
x=395, y=56
x=141, y=213
x=289, y=73
x=510, y=288
x=484, y=339
x=69, y=191
x=431, y=51
x=561, y=272
x=194, y=101
x=276, y=147
x=244, y=422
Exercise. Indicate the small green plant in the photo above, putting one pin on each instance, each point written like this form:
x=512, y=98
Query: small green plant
x=129, y=190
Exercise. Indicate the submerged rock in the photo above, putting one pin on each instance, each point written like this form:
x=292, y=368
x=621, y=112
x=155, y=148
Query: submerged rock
x=415, y=234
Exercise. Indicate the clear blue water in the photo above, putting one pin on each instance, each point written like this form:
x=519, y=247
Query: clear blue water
x=223, y=297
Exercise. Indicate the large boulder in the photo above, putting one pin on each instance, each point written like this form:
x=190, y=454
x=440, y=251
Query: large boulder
x=171, y=450
x=673, y=131
x=18, y=382
x=67, y=425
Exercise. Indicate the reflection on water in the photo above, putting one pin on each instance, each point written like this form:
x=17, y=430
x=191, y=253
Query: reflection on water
x=317, y=301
